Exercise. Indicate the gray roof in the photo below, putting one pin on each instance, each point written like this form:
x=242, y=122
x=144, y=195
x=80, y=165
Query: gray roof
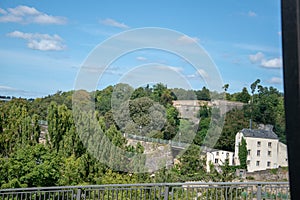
x=259, y=133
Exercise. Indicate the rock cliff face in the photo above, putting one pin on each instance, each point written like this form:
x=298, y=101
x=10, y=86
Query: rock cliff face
x=157, y=155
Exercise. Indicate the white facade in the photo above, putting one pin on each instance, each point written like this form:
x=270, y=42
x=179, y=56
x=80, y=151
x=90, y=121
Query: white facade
x=218, y=157
x=282, y=155
x=264, y=150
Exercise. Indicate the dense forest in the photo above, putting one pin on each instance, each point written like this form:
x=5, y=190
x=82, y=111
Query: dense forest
x=64, y=159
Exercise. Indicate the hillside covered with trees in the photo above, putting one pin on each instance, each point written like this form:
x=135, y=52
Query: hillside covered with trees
x=63, y=157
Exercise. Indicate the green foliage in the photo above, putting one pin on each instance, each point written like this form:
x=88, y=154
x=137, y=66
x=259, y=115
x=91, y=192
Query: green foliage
x=142, y=92
x=192, y=166
x=204, y=124
x=250, y=178
x=234, y=122
x=243, y=96
x=162, y=94
x=274, y=171
x=203, y=94
x=182, y=94
x=103, y=100
x=243, y=154
x=226, y=173
x=65, y=159
x=30, y=166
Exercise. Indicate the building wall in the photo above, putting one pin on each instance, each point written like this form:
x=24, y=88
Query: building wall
x=238, y=139
x=282, y=155
x=272, y=153
x=262, y=153
x=218, y=158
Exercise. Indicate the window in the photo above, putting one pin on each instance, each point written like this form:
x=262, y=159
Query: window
x=258, y=153
x=248, y=162
x=227, y=155
x=258, y=143
x=269, y=144
x=216, y=160
x=269, y=164
x=217, y=153
x=257, y=163
x=249, y=151
x=269, y=153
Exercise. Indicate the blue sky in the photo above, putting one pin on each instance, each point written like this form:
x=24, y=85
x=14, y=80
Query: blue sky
x=43, y=44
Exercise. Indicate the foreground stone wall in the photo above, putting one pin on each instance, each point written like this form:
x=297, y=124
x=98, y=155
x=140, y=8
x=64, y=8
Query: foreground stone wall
x=157, y=155
x=280, y=174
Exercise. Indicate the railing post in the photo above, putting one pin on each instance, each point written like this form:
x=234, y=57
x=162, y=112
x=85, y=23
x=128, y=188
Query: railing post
x=78, y=196
x=166, y=196
x=258, y=194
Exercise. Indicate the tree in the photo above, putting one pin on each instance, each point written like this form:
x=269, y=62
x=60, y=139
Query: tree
x=162, y=94
x=225, y=87
x=173, y=122
x=203, y=94
x=234, y=122
x=103, y=100
x=52, y=120
x=73, y=171
x=140, y=116
x=182, y=94
x=205, y=118
x=265, y=106
x=202, y=132
x=192, y=167
x=254, y=85
x=31, y=166
x=36, y=128
x=243, y=154
x=138, y=93
x=243, y=96
x=158, y=91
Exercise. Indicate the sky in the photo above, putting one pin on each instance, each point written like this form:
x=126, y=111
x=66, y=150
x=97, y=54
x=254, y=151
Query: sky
x=45, y=44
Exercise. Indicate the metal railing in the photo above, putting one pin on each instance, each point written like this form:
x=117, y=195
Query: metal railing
x=155, y=191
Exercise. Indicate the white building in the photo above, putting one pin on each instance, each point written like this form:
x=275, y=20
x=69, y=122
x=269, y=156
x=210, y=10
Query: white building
x=264, y=149
x=218, y=158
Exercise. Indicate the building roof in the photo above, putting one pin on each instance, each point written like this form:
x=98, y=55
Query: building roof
x=259, y=133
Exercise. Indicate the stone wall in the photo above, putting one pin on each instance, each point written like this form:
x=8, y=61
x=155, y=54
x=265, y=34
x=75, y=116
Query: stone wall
x=157, y=155
x=280, y=174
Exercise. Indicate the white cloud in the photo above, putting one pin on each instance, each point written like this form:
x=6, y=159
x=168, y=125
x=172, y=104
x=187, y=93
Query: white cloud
x=252, y=14
x=141, y=58
x=113, y=23
x=199, y=73
x=187, y=40
x=2, y=87
x=28, y=15
x=43, y=42
x=275, y=80
x=167, y=67
x=23, y=10
x=47, y=19
x=10, y=91
x=2, y=11
x=272, y=63
x=258, y=57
